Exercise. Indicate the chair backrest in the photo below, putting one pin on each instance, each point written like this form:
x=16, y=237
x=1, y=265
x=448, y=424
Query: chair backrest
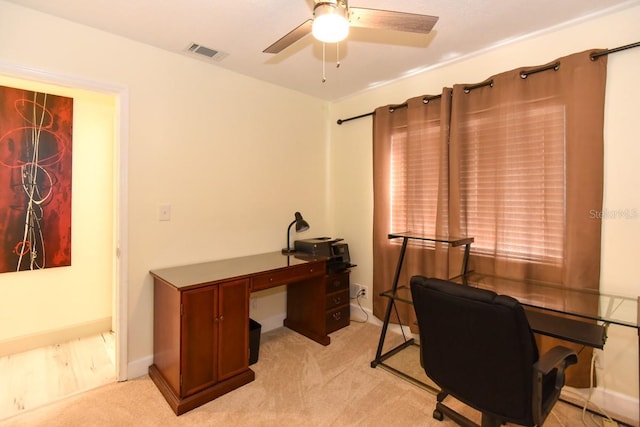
x=477, y=346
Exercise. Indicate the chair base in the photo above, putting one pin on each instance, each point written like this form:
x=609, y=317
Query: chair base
x=442, y=410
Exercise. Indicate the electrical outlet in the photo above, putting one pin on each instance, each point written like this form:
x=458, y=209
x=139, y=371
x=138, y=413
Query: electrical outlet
x=164, y=213
x=358, y=290
x=364, y=291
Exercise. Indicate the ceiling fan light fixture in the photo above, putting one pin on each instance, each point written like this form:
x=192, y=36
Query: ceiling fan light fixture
x=330, y=22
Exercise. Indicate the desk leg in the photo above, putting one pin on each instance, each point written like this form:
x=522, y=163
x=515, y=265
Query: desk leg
x=383, y=334
x=306, y=309
x=396, y=276
x=465, y=260
x=387, y=316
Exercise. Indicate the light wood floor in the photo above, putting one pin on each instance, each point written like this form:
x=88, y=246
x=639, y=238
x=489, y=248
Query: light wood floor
x=37, y=377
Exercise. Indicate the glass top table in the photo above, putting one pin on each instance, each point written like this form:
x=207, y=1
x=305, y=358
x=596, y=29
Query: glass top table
x=612, y=309
x=451, y=240
x=578, y=315
x=396, y=290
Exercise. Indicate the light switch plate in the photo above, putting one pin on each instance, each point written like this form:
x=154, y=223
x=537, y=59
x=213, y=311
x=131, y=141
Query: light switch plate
x=165, y=212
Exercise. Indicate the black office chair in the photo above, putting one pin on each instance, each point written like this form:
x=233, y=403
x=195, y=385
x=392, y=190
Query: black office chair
x=477, y=347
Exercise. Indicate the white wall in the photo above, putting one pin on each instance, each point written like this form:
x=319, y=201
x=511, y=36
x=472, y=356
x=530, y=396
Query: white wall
x=51, y=304
x=219, y=147
x=351, y=155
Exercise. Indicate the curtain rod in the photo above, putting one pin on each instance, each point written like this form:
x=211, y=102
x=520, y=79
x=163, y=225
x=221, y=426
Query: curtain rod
x=594, y=56
x=555, y=66
x=341, y=121
x=425, y=100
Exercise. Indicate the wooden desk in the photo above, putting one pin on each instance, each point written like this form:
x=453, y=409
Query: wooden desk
x=201, y=320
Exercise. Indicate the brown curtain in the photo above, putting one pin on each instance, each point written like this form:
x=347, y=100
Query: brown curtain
x=565, y=250
x=577, y=86
x=416, y=135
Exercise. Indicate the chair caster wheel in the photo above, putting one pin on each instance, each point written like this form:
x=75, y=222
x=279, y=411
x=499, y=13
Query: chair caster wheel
x=438, y=415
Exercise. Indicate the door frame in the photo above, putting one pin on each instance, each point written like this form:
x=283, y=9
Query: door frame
x=121, y=139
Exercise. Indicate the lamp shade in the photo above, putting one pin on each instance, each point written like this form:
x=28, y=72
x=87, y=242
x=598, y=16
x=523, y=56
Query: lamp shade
x=301, y=225
x=330, y=22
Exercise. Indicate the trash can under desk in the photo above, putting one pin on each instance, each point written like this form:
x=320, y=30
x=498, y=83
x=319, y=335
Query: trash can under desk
x=254, y=341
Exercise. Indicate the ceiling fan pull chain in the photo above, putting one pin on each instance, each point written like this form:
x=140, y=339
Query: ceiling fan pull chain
x=338, y=55
x=324, y=74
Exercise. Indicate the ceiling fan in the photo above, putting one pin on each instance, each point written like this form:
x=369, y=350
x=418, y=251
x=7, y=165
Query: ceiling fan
x=332, y=19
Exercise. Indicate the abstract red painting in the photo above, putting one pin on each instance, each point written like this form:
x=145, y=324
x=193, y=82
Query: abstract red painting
x=35, y=180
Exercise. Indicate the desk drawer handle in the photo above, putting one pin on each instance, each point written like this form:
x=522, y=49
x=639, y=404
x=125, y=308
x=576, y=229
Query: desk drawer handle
x=337, y=300
x=337, y=315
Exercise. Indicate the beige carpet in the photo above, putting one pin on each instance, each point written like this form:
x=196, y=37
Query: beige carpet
x=298, y=382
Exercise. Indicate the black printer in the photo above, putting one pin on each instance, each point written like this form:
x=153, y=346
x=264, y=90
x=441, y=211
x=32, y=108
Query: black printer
x=333, y=248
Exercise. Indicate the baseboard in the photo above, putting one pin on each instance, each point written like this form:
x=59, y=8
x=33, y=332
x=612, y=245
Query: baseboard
x=56, y=336
x=359, y=313
x=362, y=314
x=273, y=322
x=139, y=367
x=616, y=405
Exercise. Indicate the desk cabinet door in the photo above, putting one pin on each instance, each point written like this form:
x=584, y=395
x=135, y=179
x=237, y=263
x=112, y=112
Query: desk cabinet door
x=233, y=335
x=215, y=334
x=199, y=339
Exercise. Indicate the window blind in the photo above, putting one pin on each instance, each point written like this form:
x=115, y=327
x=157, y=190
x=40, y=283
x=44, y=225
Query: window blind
x=415, y=168
x=513, y=180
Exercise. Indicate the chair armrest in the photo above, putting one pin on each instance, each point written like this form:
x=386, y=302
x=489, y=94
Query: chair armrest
x=557, y=357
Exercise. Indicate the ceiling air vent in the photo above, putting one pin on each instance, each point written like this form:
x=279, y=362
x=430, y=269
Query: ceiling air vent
x=206, y=52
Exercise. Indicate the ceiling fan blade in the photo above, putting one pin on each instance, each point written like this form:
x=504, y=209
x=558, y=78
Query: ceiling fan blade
x=390, y=20
x=291, y=37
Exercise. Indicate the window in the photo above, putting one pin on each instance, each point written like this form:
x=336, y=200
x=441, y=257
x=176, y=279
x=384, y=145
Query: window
x=415, y=168
x=521, y=174
x=513, y=180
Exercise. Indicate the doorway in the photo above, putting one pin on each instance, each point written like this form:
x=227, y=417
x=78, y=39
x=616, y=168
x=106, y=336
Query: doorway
x=111, y=309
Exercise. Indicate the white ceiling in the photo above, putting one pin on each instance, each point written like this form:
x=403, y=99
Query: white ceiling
x=242, y=29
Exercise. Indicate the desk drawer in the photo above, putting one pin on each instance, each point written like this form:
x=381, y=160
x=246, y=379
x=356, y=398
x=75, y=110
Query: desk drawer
x=338, y=318
x=283, y=277
x=337, y=299
x=337, y=282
